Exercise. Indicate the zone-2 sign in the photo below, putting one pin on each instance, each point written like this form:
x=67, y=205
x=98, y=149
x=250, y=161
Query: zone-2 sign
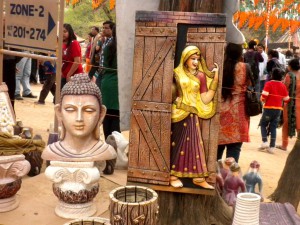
x=31, y=24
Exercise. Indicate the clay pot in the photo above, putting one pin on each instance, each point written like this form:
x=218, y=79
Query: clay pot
x=133, y=205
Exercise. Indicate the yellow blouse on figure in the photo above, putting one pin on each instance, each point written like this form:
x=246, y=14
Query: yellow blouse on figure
x=188, y=88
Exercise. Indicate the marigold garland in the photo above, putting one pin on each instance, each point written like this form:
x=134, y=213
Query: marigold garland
x=95, y=3
x=259, y=21
x=255, y=15
x=252, y=21
x=285, y=24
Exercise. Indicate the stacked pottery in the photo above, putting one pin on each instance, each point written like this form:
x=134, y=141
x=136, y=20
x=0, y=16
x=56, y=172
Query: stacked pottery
x=247, y=209
x=12, y=169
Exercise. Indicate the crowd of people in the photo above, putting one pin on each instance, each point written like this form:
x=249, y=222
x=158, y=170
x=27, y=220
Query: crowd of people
x=277, y=85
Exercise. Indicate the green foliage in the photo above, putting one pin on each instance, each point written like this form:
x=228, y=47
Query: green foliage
x=82, y=17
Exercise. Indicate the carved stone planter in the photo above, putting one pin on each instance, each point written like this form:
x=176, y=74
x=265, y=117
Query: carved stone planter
x=75, y=184
x=12, y=169
x=89, y=221
x=133, y=205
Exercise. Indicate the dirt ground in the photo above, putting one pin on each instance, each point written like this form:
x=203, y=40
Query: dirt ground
x=39, y=118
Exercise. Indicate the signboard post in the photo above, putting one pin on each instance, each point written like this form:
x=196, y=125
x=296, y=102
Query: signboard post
x=31, y=24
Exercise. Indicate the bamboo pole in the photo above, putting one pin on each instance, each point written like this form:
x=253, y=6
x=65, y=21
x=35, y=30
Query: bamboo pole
x=268, y=24
x=59, y=58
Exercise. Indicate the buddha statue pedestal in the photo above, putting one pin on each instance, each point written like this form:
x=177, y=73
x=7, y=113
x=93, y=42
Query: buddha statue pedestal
x=12, y=169
x=75, y=184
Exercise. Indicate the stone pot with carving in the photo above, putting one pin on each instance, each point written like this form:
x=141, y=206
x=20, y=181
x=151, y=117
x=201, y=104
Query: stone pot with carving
x=75, y=184
x=12, y=169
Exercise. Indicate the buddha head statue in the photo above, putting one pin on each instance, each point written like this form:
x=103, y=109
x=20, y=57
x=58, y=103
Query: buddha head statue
x=80, y=111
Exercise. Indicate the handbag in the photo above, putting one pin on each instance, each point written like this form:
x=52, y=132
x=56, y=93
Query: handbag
x=253, y=106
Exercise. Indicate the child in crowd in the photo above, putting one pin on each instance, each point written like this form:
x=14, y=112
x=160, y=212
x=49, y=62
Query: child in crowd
x=49, y=68
x=272, y=96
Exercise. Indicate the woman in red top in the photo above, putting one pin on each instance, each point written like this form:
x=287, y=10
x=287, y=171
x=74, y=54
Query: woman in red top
x=71, y=55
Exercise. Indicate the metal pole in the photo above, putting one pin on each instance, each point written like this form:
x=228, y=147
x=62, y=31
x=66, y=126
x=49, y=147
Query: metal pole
x=28, y=55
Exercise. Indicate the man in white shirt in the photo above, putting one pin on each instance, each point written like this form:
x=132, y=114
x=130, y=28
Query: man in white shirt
x=262, y=67
x=282, y=58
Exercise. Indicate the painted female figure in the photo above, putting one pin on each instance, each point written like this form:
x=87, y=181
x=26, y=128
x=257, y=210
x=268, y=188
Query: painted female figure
x=193, y=99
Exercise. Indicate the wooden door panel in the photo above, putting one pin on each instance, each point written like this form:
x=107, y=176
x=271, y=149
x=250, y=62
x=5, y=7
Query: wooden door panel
x=148, y=76
x=151, y=140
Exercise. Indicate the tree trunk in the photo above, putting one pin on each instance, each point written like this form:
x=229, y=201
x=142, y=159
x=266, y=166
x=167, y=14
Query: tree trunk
x=178, y=209
x=288, y=188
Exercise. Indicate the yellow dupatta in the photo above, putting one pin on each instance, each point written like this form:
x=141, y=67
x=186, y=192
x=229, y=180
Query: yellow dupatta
x=188, y=88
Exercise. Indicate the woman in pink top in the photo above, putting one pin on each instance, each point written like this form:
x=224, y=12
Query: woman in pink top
x=71, y=58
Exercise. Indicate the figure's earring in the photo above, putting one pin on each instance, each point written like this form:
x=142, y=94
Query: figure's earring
x=97, y=130
x=61, y=131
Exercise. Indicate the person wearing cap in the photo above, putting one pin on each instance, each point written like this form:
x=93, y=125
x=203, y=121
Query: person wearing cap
x=233, y=184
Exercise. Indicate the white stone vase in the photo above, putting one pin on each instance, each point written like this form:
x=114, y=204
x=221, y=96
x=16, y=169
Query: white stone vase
x=12, y=169
x=75, y=184
x=247, y=209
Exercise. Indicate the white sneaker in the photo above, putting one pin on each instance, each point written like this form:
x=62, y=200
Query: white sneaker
x=271, y=150
x=264, y=146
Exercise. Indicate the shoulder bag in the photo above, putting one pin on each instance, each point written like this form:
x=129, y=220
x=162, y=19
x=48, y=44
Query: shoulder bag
x=253, y=106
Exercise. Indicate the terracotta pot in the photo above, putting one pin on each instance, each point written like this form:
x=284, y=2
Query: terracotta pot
x=133, y=205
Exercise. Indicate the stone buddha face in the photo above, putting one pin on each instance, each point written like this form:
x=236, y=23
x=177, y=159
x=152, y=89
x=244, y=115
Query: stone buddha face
x=80, y=111
x=80, y=115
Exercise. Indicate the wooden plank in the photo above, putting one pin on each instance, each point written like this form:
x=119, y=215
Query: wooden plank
x=138, y=63
x=206, y=37
x=133, y=143
x=156, y=31
x=143, y=149
x=149, y=174
x=209, y=56
x=157, y=87
x=186, y=190
x=151, y=141
x=147, y=181
x=211, y=29
x=149, y=54
x=152, y=70
x=152, y=106
x=168, y=75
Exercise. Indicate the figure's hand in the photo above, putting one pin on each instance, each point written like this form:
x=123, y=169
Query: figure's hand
x=216, y=71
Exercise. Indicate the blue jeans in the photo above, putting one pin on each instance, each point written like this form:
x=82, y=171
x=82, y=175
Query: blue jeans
x=23, y=76
x=233, y=150
x=261, y=86
x=269, y=119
